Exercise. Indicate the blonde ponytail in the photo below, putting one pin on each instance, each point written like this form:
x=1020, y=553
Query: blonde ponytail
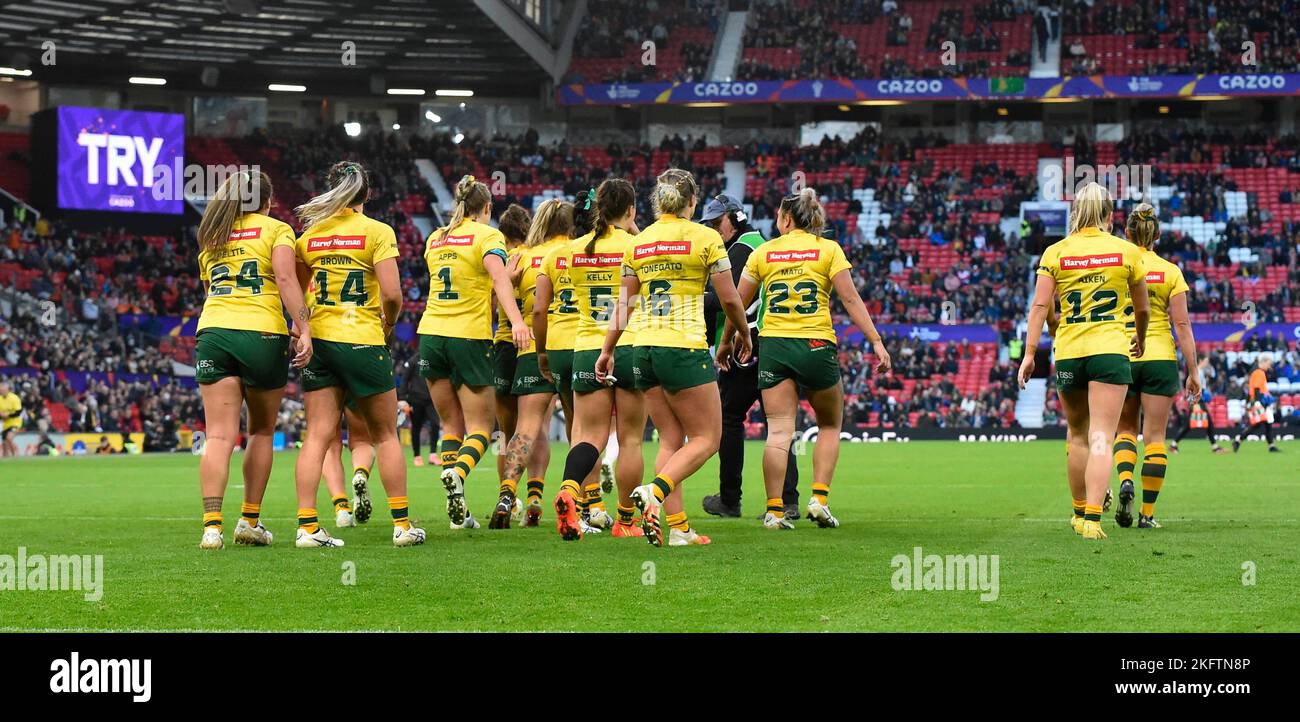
x=349, y=186
x=471, y=198
x=554, y=218
x=1092, y=208
x=675, y=190
x=805, y=211
x=1143, y=227
x=240, y=193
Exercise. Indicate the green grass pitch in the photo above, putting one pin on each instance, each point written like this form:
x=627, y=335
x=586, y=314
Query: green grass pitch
x=1223, y=515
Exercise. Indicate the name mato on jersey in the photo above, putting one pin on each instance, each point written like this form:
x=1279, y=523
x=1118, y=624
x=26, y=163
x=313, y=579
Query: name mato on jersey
x=597, y=260
x=793, y=256
x=452, y=241
x=337, y=243
x=246, y=234
x=1109, y=260
x=1155, y=277
x=663, y=248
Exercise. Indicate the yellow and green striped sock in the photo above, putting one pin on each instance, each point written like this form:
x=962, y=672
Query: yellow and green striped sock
x=776, y=507
x=1092, y=513
x=573, y=487
x=250, y=513
x=1079, y=505
x=341, y=503
x=508, y=486
x=663, y=486
x=625, y=514
x=1154, y=464
x=470, y=453
x=212, y=518
x=307, y=520
x=397, y=505
x=536, y=485
x=448, y=450
x=678, y=521
x=820, y=492
x=1126, y=456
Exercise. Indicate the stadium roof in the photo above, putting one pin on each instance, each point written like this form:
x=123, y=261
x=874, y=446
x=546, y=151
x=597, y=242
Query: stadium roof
x=411, y=43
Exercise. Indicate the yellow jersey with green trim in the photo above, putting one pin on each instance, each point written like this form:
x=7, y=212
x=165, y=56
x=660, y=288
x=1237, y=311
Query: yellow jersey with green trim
x=503, y=332
x=530, y=262
x=459, y=304
x=342, y=252
x=242, y=293
x=563, y=313
x=1093, y=272
x=1164, y=281
x=794, y=273
x=673, y=258
x=598, y=282
x=11, y=407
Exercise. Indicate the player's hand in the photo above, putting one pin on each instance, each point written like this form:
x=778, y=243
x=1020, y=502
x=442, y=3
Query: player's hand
x=301, y=347
x=885, y=363
x=604, y=366
x=523, y=336
x=544, y=367
x=1137, y=346
x=1194, y=386
x=1026, y=370
x=745, y=348
x=722, y=355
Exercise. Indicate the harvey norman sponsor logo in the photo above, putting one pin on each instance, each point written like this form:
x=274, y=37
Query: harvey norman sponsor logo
x=792, y=256
x=1109, y=260
x=1155, y=277
x=246, y=234
x=663, y=248
x=452, y=241
x=598, y=260
x=337, y=243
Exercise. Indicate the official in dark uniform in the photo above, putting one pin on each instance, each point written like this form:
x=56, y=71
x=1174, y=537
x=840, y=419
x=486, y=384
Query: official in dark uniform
x=739, y=386
x=415, y=392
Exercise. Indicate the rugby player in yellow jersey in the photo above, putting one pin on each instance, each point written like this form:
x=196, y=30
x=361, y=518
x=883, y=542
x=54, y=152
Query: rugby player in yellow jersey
x=513, y=224
x=666, y=269
x=247, y=263
x=528, y=447
x=351, y=261
x=1155, y=374
x=1090, y=270
x=467, y=265
x=11, y=414
x=796, y=273
x=595, y=269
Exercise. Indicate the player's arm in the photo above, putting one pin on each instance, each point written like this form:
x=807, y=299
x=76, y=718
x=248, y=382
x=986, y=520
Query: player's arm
x=1182, y=325
x=861, y=317
x=747, y=289
x=390, y=292
x=734, y=308
x=1044, y=293
x=284, y=263
x=1141, y=315
x=504, y=288
x=621, y=311
x=541, y=306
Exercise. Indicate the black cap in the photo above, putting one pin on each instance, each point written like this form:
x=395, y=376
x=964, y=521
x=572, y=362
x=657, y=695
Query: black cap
x=719, y=207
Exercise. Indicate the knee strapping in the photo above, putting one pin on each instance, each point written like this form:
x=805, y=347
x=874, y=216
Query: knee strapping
x=780, y=432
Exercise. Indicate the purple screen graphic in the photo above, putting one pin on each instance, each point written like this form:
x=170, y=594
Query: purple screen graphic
x=109, y=160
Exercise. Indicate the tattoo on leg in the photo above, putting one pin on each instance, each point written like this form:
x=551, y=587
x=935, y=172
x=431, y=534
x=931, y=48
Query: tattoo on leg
x=211, y=503
x=517, y=454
